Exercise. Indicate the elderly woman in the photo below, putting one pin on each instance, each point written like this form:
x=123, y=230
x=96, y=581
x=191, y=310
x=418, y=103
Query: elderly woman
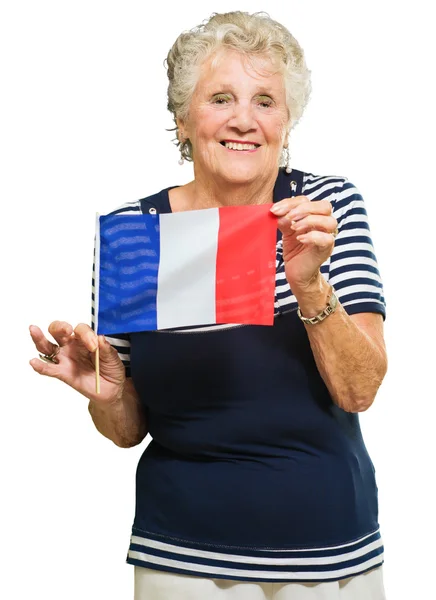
x=257, y=483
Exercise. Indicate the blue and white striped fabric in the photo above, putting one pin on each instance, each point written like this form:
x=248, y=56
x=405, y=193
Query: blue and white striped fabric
x=352, y=268
x=317, y=564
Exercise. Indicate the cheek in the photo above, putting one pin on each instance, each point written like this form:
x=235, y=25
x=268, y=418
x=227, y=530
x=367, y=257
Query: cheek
x=208, y=124
x=276, y=132
x=274, y=128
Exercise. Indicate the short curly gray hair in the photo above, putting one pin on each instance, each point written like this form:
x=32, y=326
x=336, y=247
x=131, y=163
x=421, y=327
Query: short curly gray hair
x=249, y=34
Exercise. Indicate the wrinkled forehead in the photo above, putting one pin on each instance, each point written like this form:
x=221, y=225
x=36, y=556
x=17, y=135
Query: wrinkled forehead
x=257, y=66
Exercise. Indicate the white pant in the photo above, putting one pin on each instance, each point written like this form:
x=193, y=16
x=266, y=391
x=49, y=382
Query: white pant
x=151, y=584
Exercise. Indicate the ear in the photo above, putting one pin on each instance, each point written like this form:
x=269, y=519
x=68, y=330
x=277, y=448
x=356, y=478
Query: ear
x=181, y=130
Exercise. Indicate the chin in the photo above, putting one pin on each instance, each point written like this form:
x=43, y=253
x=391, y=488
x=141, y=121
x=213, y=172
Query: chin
x=239, y=174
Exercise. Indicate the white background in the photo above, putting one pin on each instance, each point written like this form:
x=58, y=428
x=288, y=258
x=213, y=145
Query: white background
x=83, y=122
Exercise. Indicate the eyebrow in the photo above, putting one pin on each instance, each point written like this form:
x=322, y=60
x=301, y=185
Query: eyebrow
x=228, y=87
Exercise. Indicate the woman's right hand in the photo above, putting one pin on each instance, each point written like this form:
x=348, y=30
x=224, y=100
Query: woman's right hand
x=76, y=361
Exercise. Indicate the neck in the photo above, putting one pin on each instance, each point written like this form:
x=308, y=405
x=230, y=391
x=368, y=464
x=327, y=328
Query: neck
x=207, y=192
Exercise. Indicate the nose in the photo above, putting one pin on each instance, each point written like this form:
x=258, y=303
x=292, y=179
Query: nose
x=243, y=117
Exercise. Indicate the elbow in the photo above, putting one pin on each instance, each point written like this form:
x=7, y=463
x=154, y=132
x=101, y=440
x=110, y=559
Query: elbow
x=123, y=444
x=126, y=443
x=131, y=443
x=356, y=389
x=361, y=405
x=355, y=404
x=360, y=400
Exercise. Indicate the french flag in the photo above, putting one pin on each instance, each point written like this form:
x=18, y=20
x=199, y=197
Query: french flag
x=184, y=269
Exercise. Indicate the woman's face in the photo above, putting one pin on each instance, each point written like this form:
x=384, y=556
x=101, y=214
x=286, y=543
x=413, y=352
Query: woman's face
x=233, y=103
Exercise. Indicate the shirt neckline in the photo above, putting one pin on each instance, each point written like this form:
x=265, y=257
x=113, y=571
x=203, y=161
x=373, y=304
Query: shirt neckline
x=281, y=190
x=165, y=206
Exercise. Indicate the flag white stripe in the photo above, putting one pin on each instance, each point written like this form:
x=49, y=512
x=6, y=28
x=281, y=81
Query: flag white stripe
x=183, y=269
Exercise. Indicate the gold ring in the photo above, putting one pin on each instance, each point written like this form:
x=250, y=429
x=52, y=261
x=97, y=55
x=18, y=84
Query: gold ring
x=51, y=357
x=335, y=232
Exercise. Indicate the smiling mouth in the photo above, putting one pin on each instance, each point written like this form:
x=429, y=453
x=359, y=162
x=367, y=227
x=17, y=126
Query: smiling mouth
x=239, y=147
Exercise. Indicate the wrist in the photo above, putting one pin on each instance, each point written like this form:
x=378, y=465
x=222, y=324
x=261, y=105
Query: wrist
x=313, y=297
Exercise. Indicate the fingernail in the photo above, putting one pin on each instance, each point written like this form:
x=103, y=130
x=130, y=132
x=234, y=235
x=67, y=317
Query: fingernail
x=279, y=210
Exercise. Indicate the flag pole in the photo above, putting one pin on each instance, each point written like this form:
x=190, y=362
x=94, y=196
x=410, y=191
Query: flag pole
x=97, y=370
x=96, y=298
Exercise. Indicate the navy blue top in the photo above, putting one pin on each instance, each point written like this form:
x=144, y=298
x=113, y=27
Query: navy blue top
x=253, y=473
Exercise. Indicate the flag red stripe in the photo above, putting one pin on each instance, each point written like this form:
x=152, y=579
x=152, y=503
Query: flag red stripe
x=245, y=269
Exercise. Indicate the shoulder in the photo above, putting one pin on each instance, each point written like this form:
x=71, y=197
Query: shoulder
x=315, y=187
x=149, y=204
x=126, y=208
x=318, y=187
x=338, y=189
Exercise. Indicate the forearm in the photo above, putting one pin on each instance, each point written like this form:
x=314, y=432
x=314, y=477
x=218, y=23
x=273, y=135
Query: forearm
x=351, y=364
x=124, y=421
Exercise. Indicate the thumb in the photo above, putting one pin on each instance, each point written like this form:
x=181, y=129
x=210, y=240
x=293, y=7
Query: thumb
x=110, y=363
x=107, y=351
x=111, y=366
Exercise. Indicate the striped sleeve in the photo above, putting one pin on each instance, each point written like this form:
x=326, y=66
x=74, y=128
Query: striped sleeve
x=120, y=341
x=353, y=270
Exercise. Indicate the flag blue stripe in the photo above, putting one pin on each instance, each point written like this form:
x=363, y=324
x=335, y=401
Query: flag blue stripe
x=129, y=264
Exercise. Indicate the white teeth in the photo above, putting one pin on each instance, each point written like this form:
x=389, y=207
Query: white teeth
x=234, y=146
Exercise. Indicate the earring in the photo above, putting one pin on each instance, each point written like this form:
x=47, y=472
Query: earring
x=182, y=141
x=288, y=160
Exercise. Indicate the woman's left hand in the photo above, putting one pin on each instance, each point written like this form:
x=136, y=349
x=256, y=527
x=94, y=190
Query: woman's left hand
x=307, y=229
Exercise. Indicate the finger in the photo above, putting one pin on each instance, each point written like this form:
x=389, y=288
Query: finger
x=61, y=331
x=87, y=336
x=315, y=222
x=287, y=204
x=42, y=344
x=43, y=368
x=319, y=207
x=322, y=241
